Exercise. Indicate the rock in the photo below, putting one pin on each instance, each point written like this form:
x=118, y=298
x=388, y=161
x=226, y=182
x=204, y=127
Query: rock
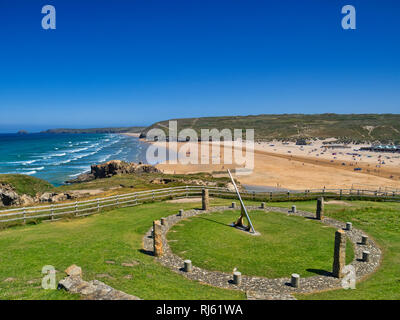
x=10, y=279
x=112, y=168
x=162, y=181
x=54, y=197
x=8, y=196
x=92, y=290
x=59, y=197
x=74, y=271
x=230, y=187
x=26, y=200
x=129, y=264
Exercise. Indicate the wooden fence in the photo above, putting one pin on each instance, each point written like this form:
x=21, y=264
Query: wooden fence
x=87, y=207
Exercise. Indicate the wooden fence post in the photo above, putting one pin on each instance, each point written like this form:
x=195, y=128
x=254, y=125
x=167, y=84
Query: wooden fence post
x=76, y=208
x=187, y=192
x=24, y=215
x=98, y=205
x=51, y=212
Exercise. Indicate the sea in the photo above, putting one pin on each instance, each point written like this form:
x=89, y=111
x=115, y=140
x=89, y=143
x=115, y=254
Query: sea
x=61, y=157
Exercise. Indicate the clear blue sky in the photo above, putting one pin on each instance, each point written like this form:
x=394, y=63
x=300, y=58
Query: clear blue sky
x=134, y=62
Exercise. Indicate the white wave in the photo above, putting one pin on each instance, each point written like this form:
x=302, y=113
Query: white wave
x=34, y=169
x=25, y=162
x=29, y=173
x=78, y=150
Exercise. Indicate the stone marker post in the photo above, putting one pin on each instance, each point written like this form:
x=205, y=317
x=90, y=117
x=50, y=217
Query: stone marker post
x=349, y=226
x=295, y=281
x=187, y=266
x=320, y=208
x=294, y=209
x=339, y=256
x=163, y=221
x=233, y=205
x=364, y=240
x=237, y=277
x=365, y=256
x=180, y=213
x=157, y=239
x=205, y=199
x=262, y=205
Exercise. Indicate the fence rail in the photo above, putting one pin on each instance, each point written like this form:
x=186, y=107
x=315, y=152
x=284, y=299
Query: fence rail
x=87, y=207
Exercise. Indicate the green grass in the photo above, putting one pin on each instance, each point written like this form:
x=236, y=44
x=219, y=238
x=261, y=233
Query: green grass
x=344, y=127
x=286, y=244
x=381, y=220
x=117, y=235
x=136, y=182
x=89, y=242
x=24, y=184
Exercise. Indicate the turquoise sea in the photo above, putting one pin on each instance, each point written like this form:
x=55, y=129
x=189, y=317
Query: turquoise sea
x=60, y=157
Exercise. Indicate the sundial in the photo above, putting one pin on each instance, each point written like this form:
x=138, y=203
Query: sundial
x=243, y=212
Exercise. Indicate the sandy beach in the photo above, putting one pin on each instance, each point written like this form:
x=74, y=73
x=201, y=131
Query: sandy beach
x=290, y=166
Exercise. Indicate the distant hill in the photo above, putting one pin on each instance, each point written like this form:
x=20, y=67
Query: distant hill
x=358, y=128
x=97, y=130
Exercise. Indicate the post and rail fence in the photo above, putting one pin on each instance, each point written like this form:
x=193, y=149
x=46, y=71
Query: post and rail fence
x=87, y=207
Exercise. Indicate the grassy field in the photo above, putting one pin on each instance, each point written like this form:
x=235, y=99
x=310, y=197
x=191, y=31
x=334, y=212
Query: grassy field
x=381, y=220
x=286, y=244
x=24, y=184
x=90, y=242
x=117, y=235
x=344, y=127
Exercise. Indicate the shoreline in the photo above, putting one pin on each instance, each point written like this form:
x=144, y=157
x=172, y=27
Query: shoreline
x=304, y=167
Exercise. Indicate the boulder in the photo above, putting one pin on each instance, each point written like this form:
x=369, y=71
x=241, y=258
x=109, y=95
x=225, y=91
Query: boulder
x=26, y=200
x=74, y=271
x=90, y=290
x=8, y=196
x=54, y=197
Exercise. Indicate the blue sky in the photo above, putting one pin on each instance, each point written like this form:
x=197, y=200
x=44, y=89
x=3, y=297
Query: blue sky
x=134, y=62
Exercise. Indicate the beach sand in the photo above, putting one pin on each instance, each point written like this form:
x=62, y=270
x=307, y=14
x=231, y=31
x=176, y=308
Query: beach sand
x=295, y=167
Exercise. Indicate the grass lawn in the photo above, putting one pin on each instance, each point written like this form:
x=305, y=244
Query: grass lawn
x=287, y=244
x=117, y=235
x=88, y=242
x=381, y=220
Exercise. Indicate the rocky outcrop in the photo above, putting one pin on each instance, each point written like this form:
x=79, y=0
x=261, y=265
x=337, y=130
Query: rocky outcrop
x=90, y=290
x=195, y=182
x=9, y=197
x=112, y=168
x=54, y=197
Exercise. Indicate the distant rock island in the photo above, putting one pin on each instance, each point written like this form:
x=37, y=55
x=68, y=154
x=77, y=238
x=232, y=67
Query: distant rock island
x=22, y=132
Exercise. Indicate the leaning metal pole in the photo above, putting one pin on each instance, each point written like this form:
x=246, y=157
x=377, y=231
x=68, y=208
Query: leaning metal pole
x=241, y=202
